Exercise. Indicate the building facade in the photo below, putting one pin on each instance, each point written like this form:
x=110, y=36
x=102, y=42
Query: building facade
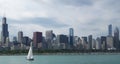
x=4, y=33
x=37, y=39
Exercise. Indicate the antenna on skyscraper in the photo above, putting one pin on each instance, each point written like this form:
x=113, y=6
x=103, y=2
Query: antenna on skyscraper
x=4, y=10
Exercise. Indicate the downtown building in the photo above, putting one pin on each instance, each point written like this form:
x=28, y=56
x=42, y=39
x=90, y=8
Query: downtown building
x=4, y=33
x=109, y=38
x=116, y=39
x=90, y=43
x=103, y=43
x=78, y=43
x=26, y=42
x=62, y=41
x=50, y=39
x=20, y=39
x=37, y=40
x=84, y=43
x=71, y=38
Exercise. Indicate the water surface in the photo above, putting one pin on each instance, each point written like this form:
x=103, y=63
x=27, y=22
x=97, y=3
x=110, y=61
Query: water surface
x=62, y=59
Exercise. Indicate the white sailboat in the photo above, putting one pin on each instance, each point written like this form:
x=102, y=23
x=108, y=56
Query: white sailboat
x=30, y=53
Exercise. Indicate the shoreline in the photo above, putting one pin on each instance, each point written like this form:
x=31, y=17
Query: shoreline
x=92, y=53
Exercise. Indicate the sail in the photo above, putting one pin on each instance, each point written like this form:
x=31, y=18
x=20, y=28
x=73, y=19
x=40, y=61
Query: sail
x=30, y=53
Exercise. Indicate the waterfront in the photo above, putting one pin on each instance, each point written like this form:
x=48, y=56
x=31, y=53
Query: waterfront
x=63, y=59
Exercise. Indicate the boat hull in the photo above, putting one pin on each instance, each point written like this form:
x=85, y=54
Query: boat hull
x=31, y=59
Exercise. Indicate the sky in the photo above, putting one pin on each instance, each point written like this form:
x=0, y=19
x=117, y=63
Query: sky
x=87, y=17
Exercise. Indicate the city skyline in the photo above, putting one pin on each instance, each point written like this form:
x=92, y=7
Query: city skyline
x=86, y=17
x=59, y=41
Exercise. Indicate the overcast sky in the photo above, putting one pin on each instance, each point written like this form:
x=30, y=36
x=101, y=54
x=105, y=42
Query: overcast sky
x=85, y=16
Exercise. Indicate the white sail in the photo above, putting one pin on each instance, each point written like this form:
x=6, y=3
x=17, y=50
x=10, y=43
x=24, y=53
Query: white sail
x=30, y=53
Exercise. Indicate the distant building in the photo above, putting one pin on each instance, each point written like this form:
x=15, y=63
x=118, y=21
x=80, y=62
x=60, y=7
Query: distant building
x=20, y=39
x=4, y=33
x=98, y=43
x=85, y=43
x=71, y=37
x=103, y=42
x=116, y=39
x=78, y=43
x=37, y=39
x=90, y=42
x=49, y=35
x=49, y=38
x=15, y=45
x=62, y=40
x=110, y=30
x=110, y=43
x=26, y=42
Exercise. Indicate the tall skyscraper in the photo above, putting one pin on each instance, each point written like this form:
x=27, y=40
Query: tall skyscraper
x=116, y=38
x=49, y=38
x=110, y=43
x=90, y=42
x=4, y=33
x=85, y=43
x=20, y=37
x=71, y=37
x=110, y=30
x=37, y=39
x=104, y=42
x=49, y=35
x=98, y=43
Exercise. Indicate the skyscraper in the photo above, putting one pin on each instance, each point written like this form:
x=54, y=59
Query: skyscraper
x=90, y=42
x=62, y=39
x=84, y=42
x=116, y=38
x=104, y=42
x=98, y=43
x=37, y=39
x=71, y=36
x=26, y=41
x=49, y=35
x=49, y=38
x=110, y=43
x=4, y=33
x=20, y=37
x=110, y=30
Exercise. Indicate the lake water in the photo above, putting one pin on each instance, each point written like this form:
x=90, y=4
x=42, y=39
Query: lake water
x=62, y=59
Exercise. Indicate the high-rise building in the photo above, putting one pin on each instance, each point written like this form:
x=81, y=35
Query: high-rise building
x=98, y=43
x=93, y=44
x=110, y=43
x=49, y=38
x=49, y=35
x=90, y=42
x=110, y=30
x=62, y=40
x=84, y=43
x=20, y=37
x=37, y=39
x=26, y=41
x=71, y=37
x=4, y=33
x=116, y=38
x=103, y=42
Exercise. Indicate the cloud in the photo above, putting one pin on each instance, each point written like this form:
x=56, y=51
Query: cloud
x=44, y=22
x=85, y=16
x=75, y=2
